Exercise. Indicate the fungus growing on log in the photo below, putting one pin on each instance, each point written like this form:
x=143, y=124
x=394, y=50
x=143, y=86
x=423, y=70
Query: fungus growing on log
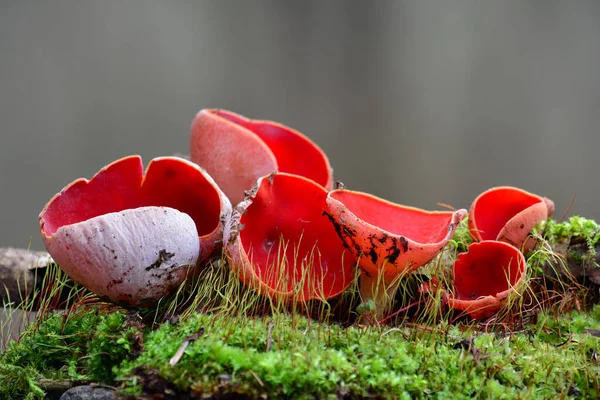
x=391, y=240
x=484, y=277
x=236, y=151
x=132, y=236
x=280, y=243
x=508, y=214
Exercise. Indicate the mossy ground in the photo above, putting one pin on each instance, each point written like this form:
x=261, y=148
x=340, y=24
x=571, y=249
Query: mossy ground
x=217, y=338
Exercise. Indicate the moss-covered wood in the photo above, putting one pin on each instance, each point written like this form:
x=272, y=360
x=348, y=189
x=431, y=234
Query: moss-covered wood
x=215, y=338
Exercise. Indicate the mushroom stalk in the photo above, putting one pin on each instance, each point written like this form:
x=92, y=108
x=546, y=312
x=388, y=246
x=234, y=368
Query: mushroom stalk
x=391, y=240
x=380, y=293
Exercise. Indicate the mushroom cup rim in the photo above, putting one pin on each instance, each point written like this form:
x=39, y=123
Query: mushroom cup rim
x=456, y=216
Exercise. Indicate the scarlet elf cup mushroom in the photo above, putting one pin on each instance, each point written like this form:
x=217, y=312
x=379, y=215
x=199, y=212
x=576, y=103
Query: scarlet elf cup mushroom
x=391, y=240
x=508, y=214
x=280, y=243
x=236, y=151
x=484, y=277
x=132, y=236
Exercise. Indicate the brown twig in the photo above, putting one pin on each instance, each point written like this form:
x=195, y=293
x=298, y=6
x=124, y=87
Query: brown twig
x=269, y=336
x=179, y=353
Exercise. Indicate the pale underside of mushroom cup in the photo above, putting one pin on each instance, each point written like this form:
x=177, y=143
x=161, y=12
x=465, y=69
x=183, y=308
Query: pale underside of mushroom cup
x=508, y=214
x=236, y=151
x=135, y=256
x=95, y=229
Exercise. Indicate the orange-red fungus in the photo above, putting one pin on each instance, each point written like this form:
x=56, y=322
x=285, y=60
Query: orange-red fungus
x=282, y=245
x=508, y=214
x=484, y=277
x=236, y=151
x=391, y=240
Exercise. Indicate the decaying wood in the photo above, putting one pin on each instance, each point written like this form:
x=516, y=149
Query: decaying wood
x=582, y=266
x=21, y=273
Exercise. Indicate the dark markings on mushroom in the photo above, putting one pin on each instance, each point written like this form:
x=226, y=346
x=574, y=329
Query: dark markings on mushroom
x=357, y=248
x=336, y=226
x=373, y=255
x=349, y=232
x=271, y=177
x=251, y=192
x=404, y=243
x=163, y=256
x=522, y=226
x=113, y=283
x=365, y=272
x=346, y=235
x=394, y=250
x=109, y=249
x=233, y=236
x=373, y=252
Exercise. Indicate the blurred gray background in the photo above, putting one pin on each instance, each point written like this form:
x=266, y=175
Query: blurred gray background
x=418, y=102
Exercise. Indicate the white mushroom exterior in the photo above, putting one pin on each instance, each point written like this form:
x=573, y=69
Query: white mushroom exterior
x=133, y=256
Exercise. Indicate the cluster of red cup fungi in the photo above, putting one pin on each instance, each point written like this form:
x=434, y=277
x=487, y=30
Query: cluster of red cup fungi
x=133, y=236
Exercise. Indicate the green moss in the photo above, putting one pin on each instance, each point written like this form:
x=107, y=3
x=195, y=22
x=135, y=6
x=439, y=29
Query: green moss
x=574, y=226
x=112, y=343
x=73, y=346
x=254, y=356
x=46, y=350
x=322, y=360
x=462, y=236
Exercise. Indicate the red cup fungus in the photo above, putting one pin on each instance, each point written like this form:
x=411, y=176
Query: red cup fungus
x=280, y=243
x=132, y=236
x=390, y=240
x=508, y=214
x=484, y=277
x=236, y=151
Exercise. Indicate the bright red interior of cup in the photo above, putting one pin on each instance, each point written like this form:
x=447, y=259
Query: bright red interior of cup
x=495, y=208
x=290, y=242
x=168, y=182
x=488, y=268
x=295, y=153
x=418, y=225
